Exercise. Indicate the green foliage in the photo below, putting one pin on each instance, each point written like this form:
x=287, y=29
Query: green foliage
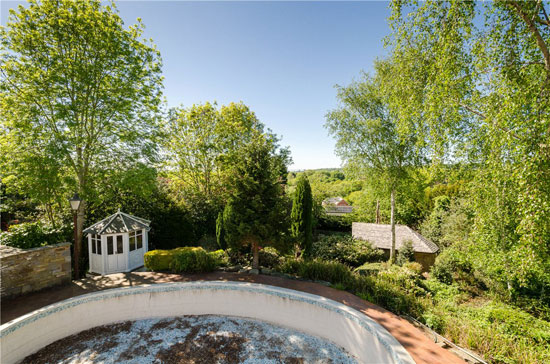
x=220, y=257
x=406, y=253
x=369, y=139
x=383, y=290
x=346, y=250
x=301, y=216
x=69, y=110
x=80, y=95
x=257, y=211
x=370, y=268
x=317, y=269
x=499, y=332
x=454, y=266
x=185, y=260
x=334, y=223
x=478, y=91
x=193, y=260
x=34, y=235
x=158, y=260
x=414, y=267
x=220, y=232
x=172, y=225
x=239, y=256
x=270, y=257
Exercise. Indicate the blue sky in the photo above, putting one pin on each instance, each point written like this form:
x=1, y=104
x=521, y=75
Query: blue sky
x=282, y=59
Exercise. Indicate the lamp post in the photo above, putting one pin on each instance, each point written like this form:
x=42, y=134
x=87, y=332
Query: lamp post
x=75, y=205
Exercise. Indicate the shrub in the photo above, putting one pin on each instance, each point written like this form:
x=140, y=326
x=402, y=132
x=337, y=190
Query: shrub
x=185, y=260
x=449, y=265
x=333, y=223
x=239, y=256
x=346, y=250
x=221, y=258
x=318, y=270
x=269, y=257
x=414, y=267
x=370, y=268
x=158, y=260
x=406, y=253
x=34, y=235
x=381, y=289
x=192, y=260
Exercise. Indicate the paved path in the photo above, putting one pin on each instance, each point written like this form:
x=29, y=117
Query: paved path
x=422, y=349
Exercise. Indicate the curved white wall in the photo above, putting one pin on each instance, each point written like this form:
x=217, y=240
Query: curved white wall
x=358, y=334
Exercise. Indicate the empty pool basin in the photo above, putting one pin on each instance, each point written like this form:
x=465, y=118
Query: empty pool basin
x=356, y=333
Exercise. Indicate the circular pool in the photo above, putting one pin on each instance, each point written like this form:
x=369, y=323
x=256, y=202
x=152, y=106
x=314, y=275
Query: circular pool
x=315, y=317
x=202, y=339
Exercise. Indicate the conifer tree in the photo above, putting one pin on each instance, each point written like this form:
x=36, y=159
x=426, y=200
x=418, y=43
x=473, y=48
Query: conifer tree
x=302, y=216
x=220, y=232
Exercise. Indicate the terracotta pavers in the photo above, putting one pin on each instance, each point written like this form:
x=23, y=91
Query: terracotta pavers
x=422, y=349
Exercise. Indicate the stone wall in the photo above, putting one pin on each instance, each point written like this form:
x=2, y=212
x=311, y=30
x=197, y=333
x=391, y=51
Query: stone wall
x=23, y=271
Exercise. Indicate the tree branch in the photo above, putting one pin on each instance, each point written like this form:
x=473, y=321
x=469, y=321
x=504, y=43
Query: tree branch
x=533, y=28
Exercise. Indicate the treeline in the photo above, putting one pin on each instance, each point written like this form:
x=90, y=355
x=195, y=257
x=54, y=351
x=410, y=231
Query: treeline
x=82, y=110
x=459, y=111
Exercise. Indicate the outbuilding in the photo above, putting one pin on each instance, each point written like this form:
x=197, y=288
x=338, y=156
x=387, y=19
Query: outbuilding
x=117, y=243
x=379, y=235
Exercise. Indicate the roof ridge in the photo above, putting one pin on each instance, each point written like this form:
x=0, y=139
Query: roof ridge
x=134, y=217
x=113, y=216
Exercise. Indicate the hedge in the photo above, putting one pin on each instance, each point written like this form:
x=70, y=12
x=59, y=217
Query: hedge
x=183, y=260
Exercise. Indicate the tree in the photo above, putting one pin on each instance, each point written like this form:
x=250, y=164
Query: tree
x=479, y=92
x=367, y=137
x=302, y=215
x=220, y=232
x=256, y=212
x=79, y=92
x=406, y=253
x=204, y=142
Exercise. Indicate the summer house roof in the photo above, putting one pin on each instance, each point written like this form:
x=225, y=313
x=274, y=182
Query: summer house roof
x=118, y=223
x=379, y=235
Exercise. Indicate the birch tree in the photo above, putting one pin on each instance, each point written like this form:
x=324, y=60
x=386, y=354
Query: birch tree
x=367, y=137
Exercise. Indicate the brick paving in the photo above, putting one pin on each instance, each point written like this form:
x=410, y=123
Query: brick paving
x=421, y=348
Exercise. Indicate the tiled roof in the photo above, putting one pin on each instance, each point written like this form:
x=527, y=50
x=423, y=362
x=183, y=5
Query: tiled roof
x=379, y=235
x=118, y=223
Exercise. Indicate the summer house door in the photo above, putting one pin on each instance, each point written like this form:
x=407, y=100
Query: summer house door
x=116, y=261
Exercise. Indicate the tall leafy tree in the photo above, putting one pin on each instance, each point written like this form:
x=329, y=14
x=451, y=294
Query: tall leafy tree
x=204, y=141
x=79, y=91
x=473, y=80
x=255, y=214
x=302, y=215
x=367, y=137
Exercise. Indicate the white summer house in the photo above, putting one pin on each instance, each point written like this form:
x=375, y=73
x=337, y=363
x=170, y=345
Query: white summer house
x=117, y=243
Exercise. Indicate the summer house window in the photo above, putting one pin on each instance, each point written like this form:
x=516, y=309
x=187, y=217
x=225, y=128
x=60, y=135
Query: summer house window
x=96, y=244
x=136, y=240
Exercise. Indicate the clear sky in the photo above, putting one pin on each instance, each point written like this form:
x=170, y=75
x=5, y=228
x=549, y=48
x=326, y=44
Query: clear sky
x=282, y=59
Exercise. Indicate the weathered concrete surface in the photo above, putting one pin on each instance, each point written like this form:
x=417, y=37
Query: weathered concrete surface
x=24, y=271
x=422, y=349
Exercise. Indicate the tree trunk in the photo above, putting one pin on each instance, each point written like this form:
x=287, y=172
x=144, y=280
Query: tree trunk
x=392, y=251
x=78, y=244
x=378, y=211
x=255, y=256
